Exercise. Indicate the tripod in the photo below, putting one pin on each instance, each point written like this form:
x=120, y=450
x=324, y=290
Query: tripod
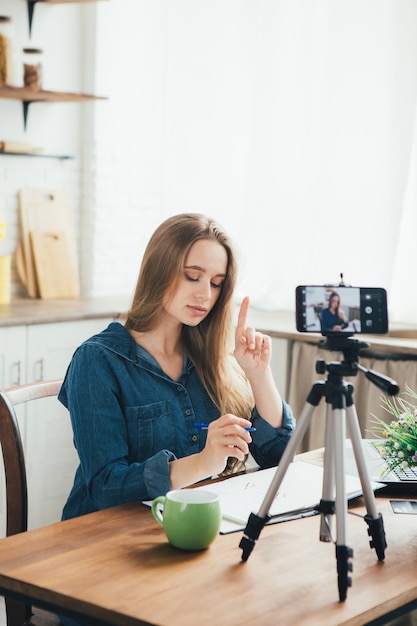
x=340, y=407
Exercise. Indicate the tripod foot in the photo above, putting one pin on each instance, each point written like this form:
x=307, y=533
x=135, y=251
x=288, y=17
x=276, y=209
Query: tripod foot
x=343, y=554
x=377, y=532
x=251, y=534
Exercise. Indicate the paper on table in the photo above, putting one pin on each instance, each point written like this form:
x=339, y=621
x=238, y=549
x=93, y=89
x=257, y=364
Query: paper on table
x=299, y=494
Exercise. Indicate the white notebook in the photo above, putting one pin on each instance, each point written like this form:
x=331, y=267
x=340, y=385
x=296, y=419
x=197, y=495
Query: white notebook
x=299, y=494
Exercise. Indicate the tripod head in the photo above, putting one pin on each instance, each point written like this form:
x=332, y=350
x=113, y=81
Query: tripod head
x=351, y=348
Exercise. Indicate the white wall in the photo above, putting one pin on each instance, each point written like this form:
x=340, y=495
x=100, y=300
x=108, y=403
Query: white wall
x=289, y=121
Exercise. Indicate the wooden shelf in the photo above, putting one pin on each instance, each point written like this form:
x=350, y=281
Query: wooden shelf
x=60, y=1
x=61, y=157
x=28, y=95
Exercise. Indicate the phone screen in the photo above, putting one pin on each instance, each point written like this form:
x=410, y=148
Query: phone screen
x=330, y=309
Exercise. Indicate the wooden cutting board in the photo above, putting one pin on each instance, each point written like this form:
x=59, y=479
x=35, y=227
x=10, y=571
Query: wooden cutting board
x=20, y=263
x=55, y=271
x=44, y=209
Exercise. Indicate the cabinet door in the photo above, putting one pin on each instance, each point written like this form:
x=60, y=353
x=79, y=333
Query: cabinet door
x=12, y=355
x=51, y=459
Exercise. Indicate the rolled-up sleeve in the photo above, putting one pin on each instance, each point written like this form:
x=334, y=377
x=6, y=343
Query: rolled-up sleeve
x=268, y=443
x=156, y=473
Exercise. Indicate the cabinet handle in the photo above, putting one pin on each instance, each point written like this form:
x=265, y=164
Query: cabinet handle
x=16, y=370
x=39, y=370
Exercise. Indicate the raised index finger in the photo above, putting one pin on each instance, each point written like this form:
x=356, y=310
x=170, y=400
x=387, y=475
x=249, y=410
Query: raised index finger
x=242, y=317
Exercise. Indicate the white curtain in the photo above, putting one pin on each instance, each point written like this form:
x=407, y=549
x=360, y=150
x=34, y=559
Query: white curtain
x=288, y=120
x=403, y=289
x=368, y=398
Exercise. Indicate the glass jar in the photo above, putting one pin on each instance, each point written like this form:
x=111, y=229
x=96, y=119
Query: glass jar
x=6, y=50
x=32, y=68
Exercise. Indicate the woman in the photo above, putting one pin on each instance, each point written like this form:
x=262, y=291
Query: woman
x=333, y=318
x=136, y=391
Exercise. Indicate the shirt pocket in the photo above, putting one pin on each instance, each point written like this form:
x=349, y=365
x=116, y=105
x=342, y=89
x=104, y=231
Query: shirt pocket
x=151, y=428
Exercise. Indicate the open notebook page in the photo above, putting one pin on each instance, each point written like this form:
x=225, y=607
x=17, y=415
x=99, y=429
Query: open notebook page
x=299, y=494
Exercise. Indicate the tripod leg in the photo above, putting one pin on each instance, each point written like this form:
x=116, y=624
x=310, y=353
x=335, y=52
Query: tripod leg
x=257, y=521
x=286, y=459
x=373, y=518
x=327, y=503
x=343, y=552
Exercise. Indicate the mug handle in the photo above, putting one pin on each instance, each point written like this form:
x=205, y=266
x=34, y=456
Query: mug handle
x=156, y=511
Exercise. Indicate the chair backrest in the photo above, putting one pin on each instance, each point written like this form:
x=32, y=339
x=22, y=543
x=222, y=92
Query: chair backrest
x=12, y=449
x=18, y=613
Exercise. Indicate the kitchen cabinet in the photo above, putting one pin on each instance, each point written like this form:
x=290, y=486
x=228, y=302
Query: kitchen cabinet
x=40, y=352
x=12, y=356
x=50, y=455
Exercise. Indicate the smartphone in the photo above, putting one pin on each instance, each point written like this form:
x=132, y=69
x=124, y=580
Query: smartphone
x=335, y=310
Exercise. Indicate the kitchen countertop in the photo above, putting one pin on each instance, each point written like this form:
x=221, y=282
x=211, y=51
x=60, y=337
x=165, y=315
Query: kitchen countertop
x=27, y=311
x=400, y=338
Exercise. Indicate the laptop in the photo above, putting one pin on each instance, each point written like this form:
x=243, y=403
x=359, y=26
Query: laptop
x=378, y=469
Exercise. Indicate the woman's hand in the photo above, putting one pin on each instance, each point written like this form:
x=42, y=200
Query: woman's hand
x=252, y=348
x=253, y=353
x=226, y=437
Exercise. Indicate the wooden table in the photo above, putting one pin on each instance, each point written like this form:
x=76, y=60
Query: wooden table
x=116, y=566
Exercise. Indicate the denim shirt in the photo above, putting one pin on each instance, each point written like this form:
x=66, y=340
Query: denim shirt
x=130, y=420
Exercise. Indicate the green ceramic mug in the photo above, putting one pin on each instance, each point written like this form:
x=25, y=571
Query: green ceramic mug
x=190, y=518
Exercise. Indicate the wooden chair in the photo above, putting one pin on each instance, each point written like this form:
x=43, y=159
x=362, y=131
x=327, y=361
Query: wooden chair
x=16, y=484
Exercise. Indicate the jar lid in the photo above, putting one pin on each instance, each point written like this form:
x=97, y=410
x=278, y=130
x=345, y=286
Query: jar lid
x=32, y=50
x=5, y=18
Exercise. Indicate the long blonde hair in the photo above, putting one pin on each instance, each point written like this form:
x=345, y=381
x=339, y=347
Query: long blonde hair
x=209, y=344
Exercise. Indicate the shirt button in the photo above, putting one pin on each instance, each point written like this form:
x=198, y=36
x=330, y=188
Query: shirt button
x=194, y=438
x=188, y=412
x=179, y=388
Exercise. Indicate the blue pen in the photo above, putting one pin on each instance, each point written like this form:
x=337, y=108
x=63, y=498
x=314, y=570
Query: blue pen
x=250, y=429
